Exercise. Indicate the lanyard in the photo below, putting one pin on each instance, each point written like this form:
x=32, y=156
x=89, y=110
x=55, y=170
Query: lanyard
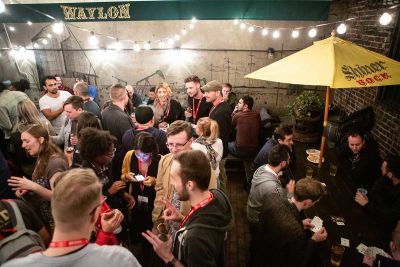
x=196, y=207
x=196, y=111
x=144, y=173
x=212, y=109
x=69, y=243
x=166, y=112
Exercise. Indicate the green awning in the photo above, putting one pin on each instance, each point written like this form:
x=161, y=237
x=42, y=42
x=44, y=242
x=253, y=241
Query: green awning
x=312, y=10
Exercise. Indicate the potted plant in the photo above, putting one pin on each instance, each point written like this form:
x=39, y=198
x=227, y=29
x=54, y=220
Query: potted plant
x=306, y=110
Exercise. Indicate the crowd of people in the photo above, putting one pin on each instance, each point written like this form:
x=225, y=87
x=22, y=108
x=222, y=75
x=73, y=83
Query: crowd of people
x=148, y=174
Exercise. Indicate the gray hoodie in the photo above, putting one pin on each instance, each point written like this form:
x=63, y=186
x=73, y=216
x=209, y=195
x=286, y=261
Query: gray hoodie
x=265, y=182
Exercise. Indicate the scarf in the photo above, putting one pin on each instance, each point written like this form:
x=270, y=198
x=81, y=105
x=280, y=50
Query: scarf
x=211, y=153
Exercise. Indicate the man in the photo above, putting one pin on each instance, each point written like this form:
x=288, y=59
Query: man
x=151, y=95
x=133, y=96
x=229, y=96
x=387, y=261
x=8, y=109
x=144, y=117
x=73, y=108
x=361, y=160
x=200, y=238
x=383, y=200
x=221, y=113
x=282, y=236
x=198, y=107
x=51, y=104
x=117, y=122
x=267, y=182
x=75, y=205
x=81, y=89
x=61, y=86
x=179, y=138
x=247, y=124
x=282, y=135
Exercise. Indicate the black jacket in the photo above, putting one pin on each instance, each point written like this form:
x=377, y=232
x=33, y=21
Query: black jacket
x=222, y=115
x=200, y=242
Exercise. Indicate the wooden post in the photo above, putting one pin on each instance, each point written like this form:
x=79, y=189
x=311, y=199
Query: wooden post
x=321, y=154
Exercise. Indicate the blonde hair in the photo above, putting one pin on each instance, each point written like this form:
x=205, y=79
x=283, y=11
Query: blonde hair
x=75, y=196
x=165, y=86
x=209, y=128
x=28, y=114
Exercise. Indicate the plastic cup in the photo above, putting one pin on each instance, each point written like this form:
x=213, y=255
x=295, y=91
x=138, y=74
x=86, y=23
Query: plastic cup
x=337, y=254
x=362, y=191
x=332, y=169
x=309, y=172
x=70, y=149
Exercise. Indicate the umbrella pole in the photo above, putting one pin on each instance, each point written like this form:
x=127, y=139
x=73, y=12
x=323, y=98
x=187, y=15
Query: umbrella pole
x=321, y=155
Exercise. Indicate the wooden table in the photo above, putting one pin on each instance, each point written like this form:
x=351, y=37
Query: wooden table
x=359, y=226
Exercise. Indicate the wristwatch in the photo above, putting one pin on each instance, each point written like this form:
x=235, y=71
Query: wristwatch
x=172, y=262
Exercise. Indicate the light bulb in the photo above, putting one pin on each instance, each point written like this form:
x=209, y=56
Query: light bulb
x=44, y=41
x=264, y=32
x=29, y=22
x=236, y=22
x=341, y=29
x=184, y=32
x=2, y=7
x=117, y=45
x=147, y=45
x=385, y=19
x=312, y=33
x=35, y=45
x=171, y=41
x=242, y=26
x=11, y=28
x=194, y=20
x=177, y=37
x=295, y=33
x=191, y=26
x=251, y=29
x=58, y=27
x=93, y=39
x=136, y=47
x=49, y=35
x=276, y=34
x=21, y=50
x=13, y=52
x=162, y=44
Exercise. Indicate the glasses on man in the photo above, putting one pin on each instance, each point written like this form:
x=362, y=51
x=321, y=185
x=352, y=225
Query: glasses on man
x=99, y=205
x=177, y=145
x=111, y=154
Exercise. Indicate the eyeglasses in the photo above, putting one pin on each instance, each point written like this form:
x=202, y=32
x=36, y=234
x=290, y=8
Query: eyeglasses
x=99, y=205
x=178, y=146
x=112, y=154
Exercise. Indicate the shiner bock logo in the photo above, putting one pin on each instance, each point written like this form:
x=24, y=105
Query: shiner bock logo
x=366, y=74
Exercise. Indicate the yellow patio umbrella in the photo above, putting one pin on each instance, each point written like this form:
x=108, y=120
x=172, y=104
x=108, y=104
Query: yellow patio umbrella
x=334, y=63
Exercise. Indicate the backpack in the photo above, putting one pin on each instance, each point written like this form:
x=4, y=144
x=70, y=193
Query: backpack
x=22, y=241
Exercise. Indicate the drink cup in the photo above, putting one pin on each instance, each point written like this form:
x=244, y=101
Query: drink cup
x=362, y=191
x=70, y=149
x=337, y=254
x=332, y=169
x=309, y=172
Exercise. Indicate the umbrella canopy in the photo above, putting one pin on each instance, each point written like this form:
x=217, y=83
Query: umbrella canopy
x=335, y=63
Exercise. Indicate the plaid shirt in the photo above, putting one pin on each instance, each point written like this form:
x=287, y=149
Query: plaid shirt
x=8, y=110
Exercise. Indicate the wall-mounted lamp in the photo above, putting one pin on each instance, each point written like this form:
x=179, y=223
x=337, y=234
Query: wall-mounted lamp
x=270, y=53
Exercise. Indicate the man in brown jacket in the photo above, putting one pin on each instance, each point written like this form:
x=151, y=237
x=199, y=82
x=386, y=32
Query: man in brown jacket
x=179, y=138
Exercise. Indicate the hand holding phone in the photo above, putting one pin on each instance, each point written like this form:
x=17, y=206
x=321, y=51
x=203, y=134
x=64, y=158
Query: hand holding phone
x=139, y=177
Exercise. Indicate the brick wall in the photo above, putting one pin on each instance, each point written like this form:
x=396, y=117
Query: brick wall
x=367, y=32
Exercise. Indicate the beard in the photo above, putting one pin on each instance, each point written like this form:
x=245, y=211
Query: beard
x=184, y=195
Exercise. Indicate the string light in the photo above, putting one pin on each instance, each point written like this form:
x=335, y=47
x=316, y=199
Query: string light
x=93, y=39
x=35, y=45
x=11, y=28
x=136, y=47
x=191, y=26
x=161, y=44
x=312, y=33
x=385, y=19
x=2, y=7
x=29, y=23
x=171, y=41
x=242, y=26
x=44, y=41
x=49, y=35
x=276, y=34
x=177, y=37
x=58, y=27
x=236, y=22
x=184, y=32
x=341, y=29
x=251, y=29
x=117, y=45
x=147, y=45
x=295, y=33
x=194, y=20
x=264, y=32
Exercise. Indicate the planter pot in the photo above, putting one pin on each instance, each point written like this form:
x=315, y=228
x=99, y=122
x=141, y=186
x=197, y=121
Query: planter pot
x=307, y=130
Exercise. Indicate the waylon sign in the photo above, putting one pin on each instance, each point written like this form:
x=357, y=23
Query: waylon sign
x=114, y=12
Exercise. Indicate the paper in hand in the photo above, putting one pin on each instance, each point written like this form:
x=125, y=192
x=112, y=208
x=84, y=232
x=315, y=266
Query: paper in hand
x=317, y=222
x=345, y=242
x=362, y=248
x=373, y=251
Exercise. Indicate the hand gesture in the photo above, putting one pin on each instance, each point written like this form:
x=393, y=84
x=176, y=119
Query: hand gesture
x=368, y=260
x=130, y=200
x=162, y=249
x=361, y=199
x=307, y=223
x=149, y=181
x=290, y=186
x=73, y=139
x=20, y=193
x=170, y=212
x=320, y=236
x=130, y=176
x=18, y=183
x=115, y=187
x=111, y=220
x=188, y=114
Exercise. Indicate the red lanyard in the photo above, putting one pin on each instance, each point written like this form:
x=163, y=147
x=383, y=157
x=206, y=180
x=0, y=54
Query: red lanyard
x=212, y=109
x=166, y=113
x=195, y=112
x=69, y=243
x=195, y=208
x=144, y=174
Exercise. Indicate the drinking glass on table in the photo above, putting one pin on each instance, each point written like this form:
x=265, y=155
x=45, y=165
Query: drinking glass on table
x=337, y=254
x=332, y=169
x=309, y=172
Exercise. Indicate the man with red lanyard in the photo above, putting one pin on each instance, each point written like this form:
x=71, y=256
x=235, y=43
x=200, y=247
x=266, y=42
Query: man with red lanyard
x=200, y=238
x=221, y=113
x=75, y=205
x=198, y=107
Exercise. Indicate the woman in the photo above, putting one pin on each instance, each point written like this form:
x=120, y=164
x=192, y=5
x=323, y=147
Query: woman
x=49, y=165
x=142, y=161
x=27, y=116
x=166, y=110
x=208, y=141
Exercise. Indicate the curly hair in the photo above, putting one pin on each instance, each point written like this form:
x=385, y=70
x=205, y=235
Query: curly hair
x=94, y=142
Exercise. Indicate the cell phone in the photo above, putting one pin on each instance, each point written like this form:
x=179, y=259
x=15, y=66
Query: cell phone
x=139, y=177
